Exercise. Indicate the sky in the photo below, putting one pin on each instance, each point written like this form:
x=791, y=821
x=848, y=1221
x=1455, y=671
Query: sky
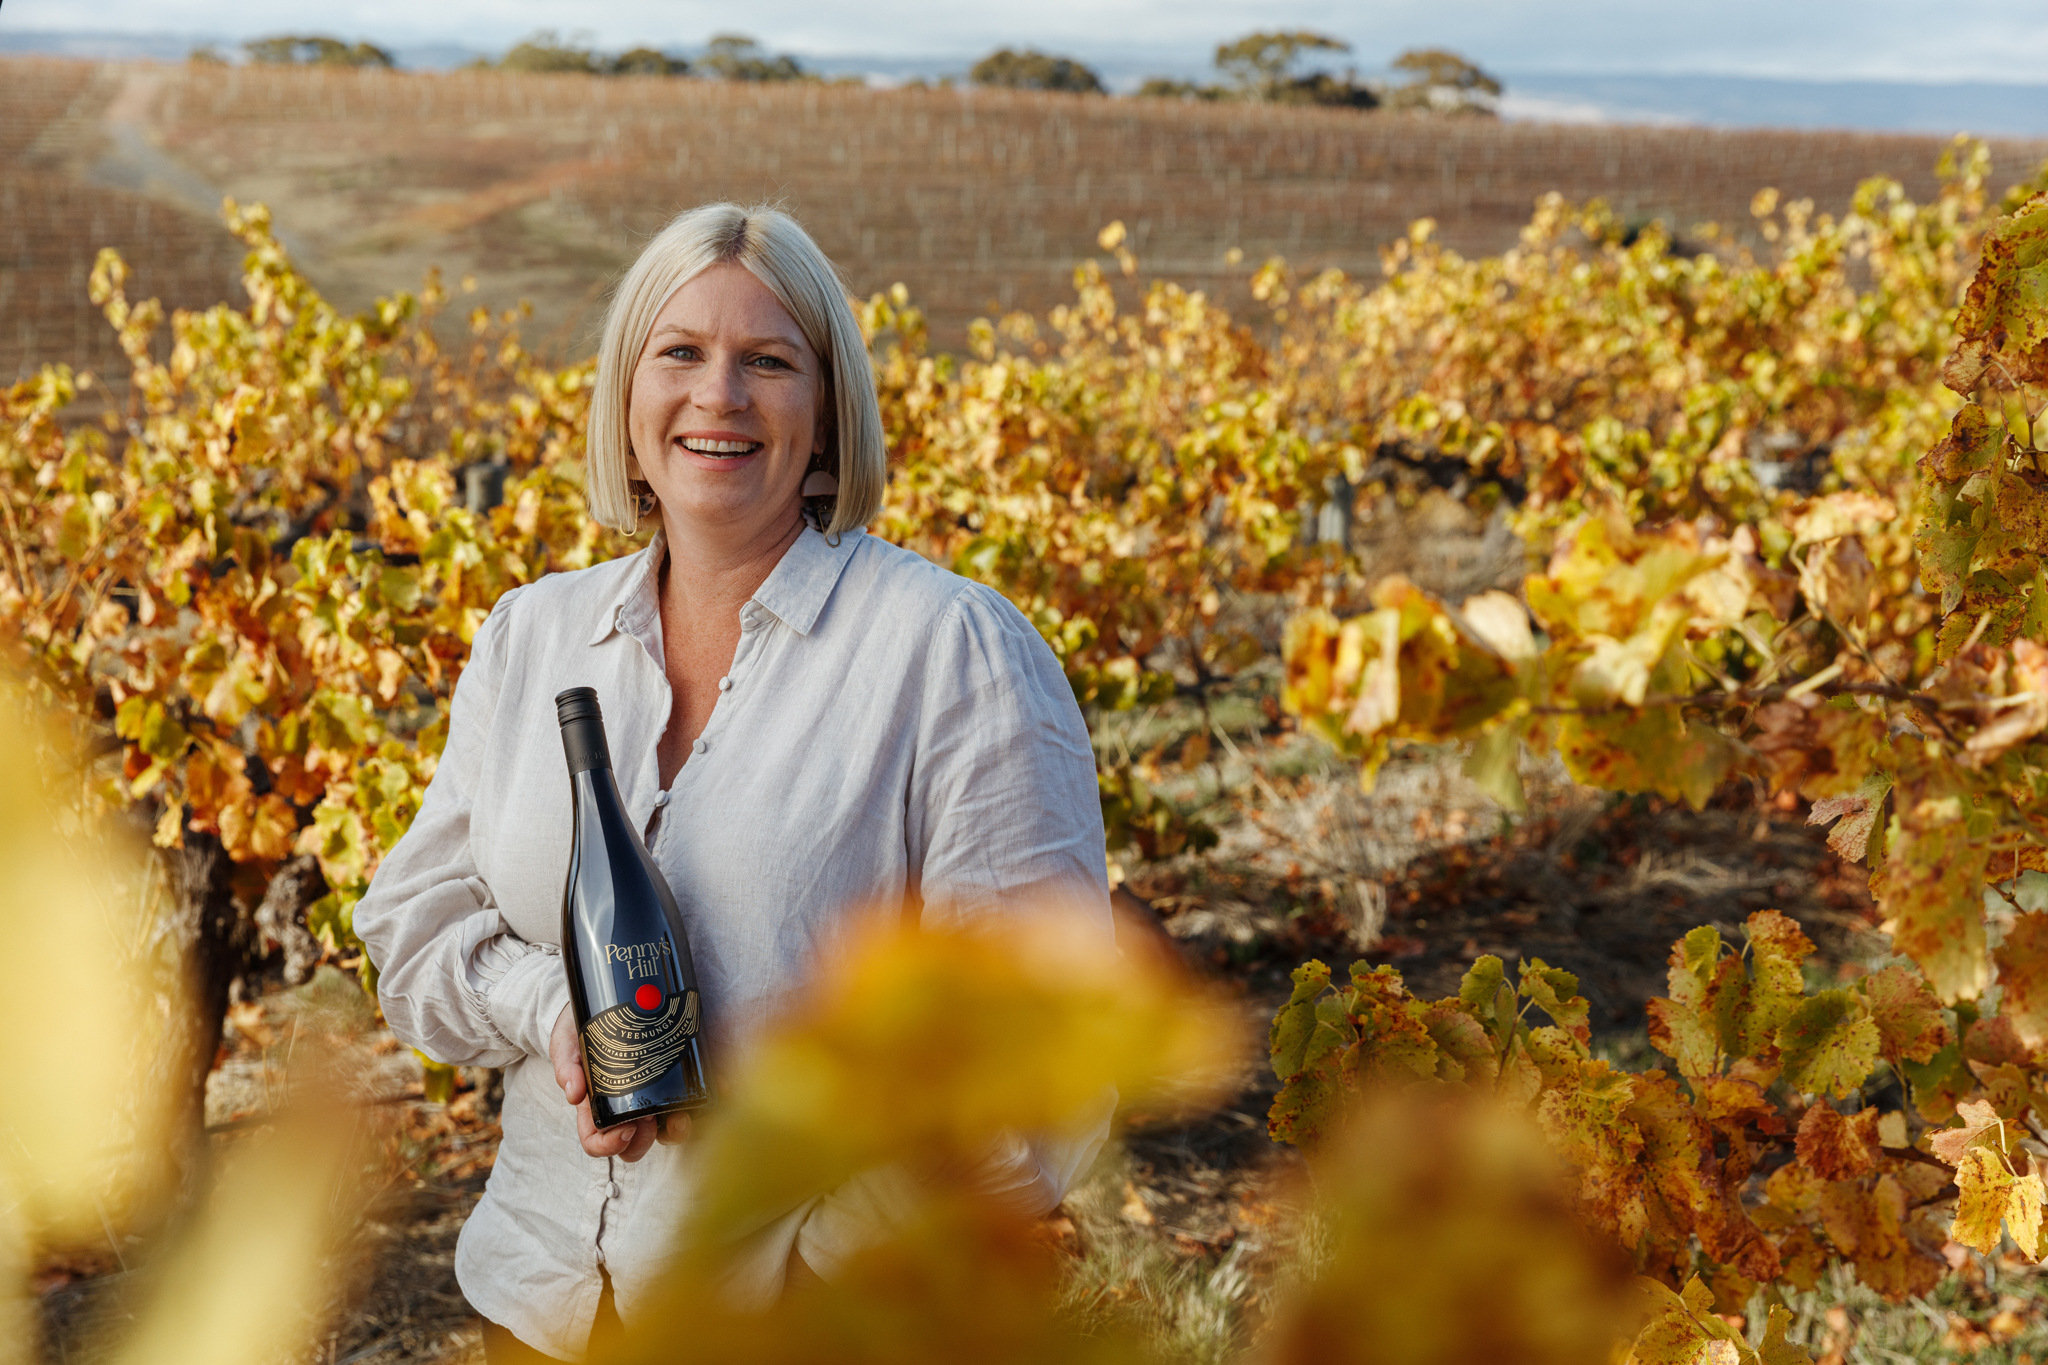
x=1872, y=40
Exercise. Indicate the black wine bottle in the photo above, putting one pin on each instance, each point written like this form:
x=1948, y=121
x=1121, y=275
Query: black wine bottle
x=631, y=982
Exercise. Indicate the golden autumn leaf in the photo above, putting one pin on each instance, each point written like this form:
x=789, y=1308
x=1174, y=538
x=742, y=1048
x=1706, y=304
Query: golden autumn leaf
x=1909, y=1023
x=1980, y=1124
x=1651, y=750
x=1987, y=1193
x=1842, y=514
x=2019, y=715
x=1931, y=886
x=1853, y=817
x=2023, y=977
x=1836, y=579
x=1828, y=1044
x=1836, y=1147
x=2003, y=324
x=926, y=1046
x=1501, y=622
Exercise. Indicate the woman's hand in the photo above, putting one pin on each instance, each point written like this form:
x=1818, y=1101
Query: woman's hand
x=628, y=1140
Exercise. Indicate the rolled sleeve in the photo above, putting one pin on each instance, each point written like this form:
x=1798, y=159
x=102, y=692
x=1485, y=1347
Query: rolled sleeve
x=521, y=988
x=452, y=978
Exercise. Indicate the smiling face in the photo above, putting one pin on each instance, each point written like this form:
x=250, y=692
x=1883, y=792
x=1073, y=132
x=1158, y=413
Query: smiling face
x=726, y=409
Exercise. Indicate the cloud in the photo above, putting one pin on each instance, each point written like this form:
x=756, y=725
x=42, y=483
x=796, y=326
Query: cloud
x=1826, y=39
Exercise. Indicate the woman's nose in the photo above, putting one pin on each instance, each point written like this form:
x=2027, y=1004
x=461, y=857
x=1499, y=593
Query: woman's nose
x=722, y=388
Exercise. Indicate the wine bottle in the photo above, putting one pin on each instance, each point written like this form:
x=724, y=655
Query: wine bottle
x=631, y=982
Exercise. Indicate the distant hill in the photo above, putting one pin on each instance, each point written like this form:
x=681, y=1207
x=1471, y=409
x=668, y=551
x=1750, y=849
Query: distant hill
x=980, y=201
x=1986, y=108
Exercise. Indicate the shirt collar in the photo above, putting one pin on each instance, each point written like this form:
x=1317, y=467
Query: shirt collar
x=795, y=592
x=799, y=586
x=638, y=600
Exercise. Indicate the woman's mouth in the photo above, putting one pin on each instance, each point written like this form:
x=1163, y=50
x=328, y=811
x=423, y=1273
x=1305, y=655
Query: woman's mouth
x=717, y=450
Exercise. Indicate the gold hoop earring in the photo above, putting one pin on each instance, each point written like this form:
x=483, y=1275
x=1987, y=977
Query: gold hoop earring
x=642, y=494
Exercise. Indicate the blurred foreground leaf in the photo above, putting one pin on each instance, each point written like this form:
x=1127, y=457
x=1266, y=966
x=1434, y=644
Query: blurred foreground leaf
x=87, y=1104
x=1453, y=1239
x=75, y=999
x=243, y=1287
x=923, y=1048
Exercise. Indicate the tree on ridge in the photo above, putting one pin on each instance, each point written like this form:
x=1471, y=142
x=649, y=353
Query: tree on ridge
x=314, y=50
x=736, y=57
x=1034, y=70
x=1261, y=67
x=1444, y=83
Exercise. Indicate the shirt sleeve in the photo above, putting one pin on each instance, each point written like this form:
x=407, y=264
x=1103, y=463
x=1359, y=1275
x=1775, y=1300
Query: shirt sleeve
x=454, y=981
x=1004, y=819
x=1005, y=814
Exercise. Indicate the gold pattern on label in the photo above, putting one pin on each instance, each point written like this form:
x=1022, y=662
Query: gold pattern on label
x=626, y=1048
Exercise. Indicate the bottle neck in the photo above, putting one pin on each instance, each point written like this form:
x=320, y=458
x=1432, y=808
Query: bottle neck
x=583, y=742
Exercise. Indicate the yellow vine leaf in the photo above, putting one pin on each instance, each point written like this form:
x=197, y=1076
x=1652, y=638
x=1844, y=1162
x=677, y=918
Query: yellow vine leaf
x=1980, y=1126
x=1986, y=1193
x=1652, y=750
x=1778, y=949
x=1835, y=1147
x=1685, y=1330
x=2023, y=977
x=2003, y=323
x=1828, y=1044
x=1931, y=887
x=1907, y=1016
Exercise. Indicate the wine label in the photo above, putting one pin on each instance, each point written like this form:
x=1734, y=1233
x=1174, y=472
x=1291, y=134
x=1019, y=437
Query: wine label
x=628, y=1046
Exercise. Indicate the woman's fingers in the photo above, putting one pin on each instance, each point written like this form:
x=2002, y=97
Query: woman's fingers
x=639, y=1139
x=628, y=1141
x=566, y=1057
x=594, y=1142
x=571, y=1077
x=672, y=1129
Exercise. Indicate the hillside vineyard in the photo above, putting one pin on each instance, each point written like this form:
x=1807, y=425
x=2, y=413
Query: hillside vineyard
x=55, y=215
x=980, y=201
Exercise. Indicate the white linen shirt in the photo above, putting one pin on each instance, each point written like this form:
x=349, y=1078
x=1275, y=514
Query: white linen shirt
x=886, y=729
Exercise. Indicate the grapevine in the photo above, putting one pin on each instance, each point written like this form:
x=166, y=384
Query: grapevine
x=1898, y=686
x=258, y=584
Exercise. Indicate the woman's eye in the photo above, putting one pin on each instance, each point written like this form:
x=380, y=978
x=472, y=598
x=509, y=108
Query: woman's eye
x=771, y=362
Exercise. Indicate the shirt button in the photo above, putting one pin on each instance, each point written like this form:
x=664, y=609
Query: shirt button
x=660, y=799
x=701, y=746
x=610, y=1188
x=725, y=684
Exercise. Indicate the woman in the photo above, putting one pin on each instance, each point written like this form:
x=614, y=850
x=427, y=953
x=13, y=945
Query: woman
x=804, y=719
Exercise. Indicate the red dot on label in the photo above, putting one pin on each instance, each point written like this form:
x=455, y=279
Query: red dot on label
x=647, y=997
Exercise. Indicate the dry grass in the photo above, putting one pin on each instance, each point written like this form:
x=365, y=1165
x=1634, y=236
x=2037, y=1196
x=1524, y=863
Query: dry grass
x=1197, y=1309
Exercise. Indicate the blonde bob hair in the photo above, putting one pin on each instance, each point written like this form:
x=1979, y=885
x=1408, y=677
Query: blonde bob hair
x=782, y=256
